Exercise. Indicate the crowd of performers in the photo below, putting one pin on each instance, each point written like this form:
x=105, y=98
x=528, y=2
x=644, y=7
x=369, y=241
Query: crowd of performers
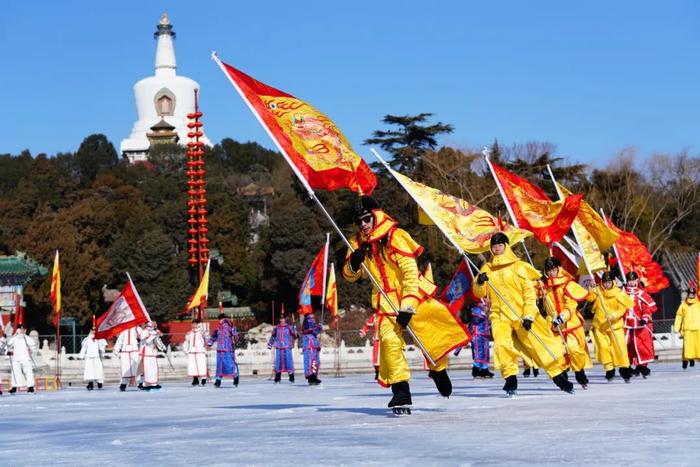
x=529, y=314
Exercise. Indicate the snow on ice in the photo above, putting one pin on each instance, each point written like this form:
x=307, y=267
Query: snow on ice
x=345, y=422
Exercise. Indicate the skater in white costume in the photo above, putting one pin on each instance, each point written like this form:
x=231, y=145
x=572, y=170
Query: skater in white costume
x=91, y=351
x=127, y=347
x=196, y=354
x=19, y=350
x=150, y=344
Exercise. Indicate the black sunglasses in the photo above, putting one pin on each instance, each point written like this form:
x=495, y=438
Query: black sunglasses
x=364, y=220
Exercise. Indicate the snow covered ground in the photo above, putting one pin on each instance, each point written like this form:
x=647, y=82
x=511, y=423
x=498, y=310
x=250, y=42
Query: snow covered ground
x=345, y=421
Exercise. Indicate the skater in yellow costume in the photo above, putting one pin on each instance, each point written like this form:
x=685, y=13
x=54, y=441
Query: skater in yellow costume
x=513, y=329
x=610, y=348
x=389, y=253
x=561, y=302
x=688, y=324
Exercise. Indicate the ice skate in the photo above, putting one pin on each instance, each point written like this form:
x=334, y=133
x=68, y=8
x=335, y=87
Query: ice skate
x=99, y=385
x=563, y=383
x=476, y=372
x=13, y=390
x=692, y=363
x=122, y=387
x=90, y=386
x=278, y=378
x=400, y=403
x=526, y=373
x=626, y=374
x=30, y=389
x=581, y=378
x=535, y=372
x=610, y=374
x=204, y=382
x=291, y=378
x=235, y=382
x=685, y=364
x=511, y=386
x=485, y=373
x=217, y=383
x=442, y=382
x=195, y=381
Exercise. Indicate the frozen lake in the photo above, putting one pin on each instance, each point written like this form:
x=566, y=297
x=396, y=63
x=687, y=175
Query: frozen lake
x=345, y=421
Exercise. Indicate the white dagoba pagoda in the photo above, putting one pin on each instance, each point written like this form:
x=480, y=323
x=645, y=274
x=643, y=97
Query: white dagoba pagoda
x=162, y=101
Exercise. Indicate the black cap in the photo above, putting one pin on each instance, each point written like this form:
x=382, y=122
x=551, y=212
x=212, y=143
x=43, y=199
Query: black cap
x=196, y=321
x=221, y=316
x=551, y=263
x=499, y=238
x=692, y=290
x=632, y=276
x=606, y=277
x=364, y=205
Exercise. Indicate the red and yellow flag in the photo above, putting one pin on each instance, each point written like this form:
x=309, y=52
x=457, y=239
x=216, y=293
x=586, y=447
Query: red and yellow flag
x=200, y=296
x=332, y=293
x=56, y=290
x=318, y=150
x=465, y=224
x=636, y=257
x=313, y=282
x=532, y=208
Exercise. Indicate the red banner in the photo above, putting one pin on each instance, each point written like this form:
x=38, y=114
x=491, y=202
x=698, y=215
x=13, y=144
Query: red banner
x=313, y=283
x=636, y=257
x=533, y=210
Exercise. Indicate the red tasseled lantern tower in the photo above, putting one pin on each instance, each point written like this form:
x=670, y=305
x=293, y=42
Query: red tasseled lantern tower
x=197, y=242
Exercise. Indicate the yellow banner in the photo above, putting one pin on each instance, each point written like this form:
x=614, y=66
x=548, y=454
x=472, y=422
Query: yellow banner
x=202, y=291
x=591, y=221
x=467, y=225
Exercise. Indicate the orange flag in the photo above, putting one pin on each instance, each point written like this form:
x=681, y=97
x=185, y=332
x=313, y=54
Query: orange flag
x=532, y=208
x=636, y=257
x=313, y=144
x=332, y=293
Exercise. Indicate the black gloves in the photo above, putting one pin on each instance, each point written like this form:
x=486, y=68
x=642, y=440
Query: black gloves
x=527, y=323
x=403, y=318
x=482, y=278
x=356, y=258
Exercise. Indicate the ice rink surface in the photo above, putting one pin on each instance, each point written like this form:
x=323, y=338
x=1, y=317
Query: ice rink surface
x=344, y=421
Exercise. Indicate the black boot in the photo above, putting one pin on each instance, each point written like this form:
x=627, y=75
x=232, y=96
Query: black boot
x=526, y=373
x=13, y=390
x=626, y=373
x=141, y=386
x=511, y=386
x=692, y=363
x=610, y=374
x=291, y=377
x=122, y=387
x=645, y=371
x=475, y=372
x=204, y=381
x=278, y=377
x=217, y=383
x=563, y=383
x=235, y=381
x=90, y=386
x=99, y=385
x=535, y=372
x=485, y=373
x=376, y=375
x=195, y=381
x=581, y=378
x=401, y=394
x=30, y=389
x=310, y=379
x=685, y=364
x=637, y=371
x=442, y=382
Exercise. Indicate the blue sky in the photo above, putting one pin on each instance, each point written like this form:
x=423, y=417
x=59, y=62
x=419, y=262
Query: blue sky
x=591, y=77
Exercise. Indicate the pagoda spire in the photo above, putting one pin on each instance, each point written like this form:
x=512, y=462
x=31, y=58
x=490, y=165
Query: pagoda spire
x=165, y=50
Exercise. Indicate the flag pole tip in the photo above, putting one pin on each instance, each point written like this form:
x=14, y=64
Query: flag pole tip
x=214, y=55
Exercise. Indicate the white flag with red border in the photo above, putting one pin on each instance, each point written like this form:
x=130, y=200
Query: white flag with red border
x=126, y=312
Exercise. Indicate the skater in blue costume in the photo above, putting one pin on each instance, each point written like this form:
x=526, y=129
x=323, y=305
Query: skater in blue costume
x=311, y=347
x=282, y=339
x=225, y=335
x=480, y=328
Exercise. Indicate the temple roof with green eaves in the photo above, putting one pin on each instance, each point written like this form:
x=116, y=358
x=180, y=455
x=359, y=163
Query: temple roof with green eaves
x=19, y=269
